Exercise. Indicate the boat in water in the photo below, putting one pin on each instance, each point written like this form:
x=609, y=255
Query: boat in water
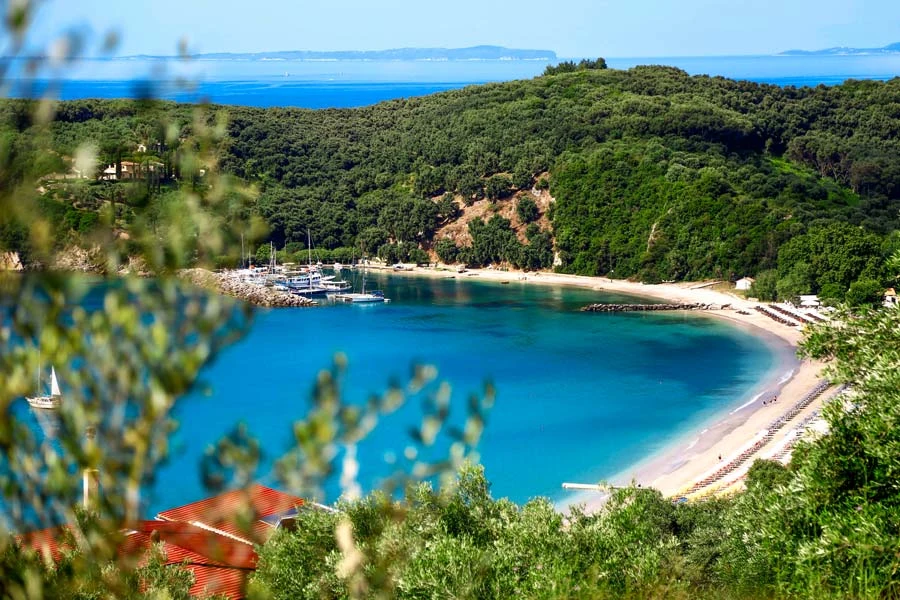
x=373, y=297
x=336, y=286
x=309, y=292
x=362, y=298
x=51, y=400
x=309, y=284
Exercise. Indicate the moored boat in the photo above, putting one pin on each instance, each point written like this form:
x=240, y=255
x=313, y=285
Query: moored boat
x=362, y=298
x=336, y=286
x=373, y=297
x=47, y=401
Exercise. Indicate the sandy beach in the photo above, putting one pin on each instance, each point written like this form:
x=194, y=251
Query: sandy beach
x=731, y=441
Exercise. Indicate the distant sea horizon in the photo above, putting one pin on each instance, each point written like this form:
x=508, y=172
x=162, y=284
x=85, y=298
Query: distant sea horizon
x=319, y=84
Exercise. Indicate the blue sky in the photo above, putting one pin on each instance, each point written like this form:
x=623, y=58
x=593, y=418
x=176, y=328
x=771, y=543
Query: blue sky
x=572, y=28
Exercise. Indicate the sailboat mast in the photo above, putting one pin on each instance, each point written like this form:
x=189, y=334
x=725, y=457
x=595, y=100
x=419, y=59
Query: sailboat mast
x=309, y=258
x=365, y=268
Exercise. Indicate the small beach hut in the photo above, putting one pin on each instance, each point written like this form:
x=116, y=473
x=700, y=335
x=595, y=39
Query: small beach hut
x=810, y=301
x=744, y=283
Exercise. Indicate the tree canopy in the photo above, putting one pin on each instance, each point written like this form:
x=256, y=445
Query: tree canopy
x=657, y=175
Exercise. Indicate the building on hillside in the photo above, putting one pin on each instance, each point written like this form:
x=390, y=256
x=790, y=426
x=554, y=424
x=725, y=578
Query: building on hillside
x=131, y=170
x=213, y=538
x=744, y=283
x=890, y=298
x=810, y=301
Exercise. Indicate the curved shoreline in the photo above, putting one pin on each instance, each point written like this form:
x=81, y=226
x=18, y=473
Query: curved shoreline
x=690, y=454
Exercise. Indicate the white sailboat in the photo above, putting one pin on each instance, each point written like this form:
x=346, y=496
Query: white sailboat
x=50, y=401
x=363, y=298
x=309, y=285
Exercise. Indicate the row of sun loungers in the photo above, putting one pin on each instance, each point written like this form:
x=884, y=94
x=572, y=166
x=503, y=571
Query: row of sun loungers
x=814, y=415
x=774, y=426
x=815, y=317
x=789, y=316
x=781, y=453
x=797, y=316
x=777, y=317
x=799, y=406
x=786, y=313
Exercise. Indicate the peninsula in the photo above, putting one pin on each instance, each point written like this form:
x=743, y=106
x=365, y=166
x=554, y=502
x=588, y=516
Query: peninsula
x=399, y=54
x=845, y=51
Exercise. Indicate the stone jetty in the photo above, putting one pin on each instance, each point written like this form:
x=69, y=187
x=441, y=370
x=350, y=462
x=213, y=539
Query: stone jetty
x=652, y=307
x=254, y=294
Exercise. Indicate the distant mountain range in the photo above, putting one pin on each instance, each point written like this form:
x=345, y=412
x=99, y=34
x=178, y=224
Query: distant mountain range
x=843, y=50
x=472, y=53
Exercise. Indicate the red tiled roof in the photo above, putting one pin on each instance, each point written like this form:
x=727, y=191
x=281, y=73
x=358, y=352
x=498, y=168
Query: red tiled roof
x=193, y=544
x=220, y=564
x=46, y=541
x=225, y=581
x=213, y=537
x=237, y=512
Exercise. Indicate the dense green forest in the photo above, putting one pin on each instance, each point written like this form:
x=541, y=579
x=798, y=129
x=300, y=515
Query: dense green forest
x=656, y=175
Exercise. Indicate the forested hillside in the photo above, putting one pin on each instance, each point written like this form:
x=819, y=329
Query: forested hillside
x=656, y=174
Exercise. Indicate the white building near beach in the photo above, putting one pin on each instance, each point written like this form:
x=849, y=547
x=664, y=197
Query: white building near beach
x=744, y=283
x=810, y=301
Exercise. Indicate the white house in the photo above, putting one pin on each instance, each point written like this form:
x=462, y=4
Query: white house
x=744, y=283
x=810, y=301
x=890, y=298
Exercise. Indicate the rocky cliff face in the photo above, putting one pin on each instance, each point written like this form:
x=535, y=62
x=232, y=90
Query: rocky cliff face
x=77, y=259
x=9, y=261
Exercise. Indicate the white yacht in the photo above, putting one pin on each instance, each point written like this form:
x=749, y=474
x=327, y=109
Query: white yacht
x=362, y=298
x=50, y=401
x=372, y=297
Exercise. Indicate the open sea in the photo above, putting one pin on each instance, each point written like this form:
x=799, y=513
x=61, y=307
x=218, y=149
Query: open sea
x=580, y=396
x=349, y=83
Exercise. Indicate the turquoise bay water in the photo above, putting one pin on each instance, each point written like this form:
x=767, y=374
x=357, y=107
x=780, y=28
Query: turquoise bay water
x=580, y=396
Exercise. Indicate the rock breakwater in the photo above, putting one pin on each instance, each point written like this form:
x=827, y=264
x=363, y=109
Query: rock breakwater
x=248, y=292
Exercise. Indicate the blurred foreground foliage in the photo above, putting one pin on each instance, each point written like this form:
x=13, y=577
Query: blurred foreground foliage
x=123, y=366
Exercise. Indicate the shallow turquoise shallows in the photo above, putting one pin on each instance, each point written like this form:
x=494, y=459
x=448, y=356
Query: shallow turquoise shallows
x=580, y=396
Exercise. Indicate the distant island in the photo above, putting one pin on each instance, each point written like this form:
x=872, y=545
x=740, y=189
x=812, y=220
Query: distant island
x=471, y=53
x=844, y=50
